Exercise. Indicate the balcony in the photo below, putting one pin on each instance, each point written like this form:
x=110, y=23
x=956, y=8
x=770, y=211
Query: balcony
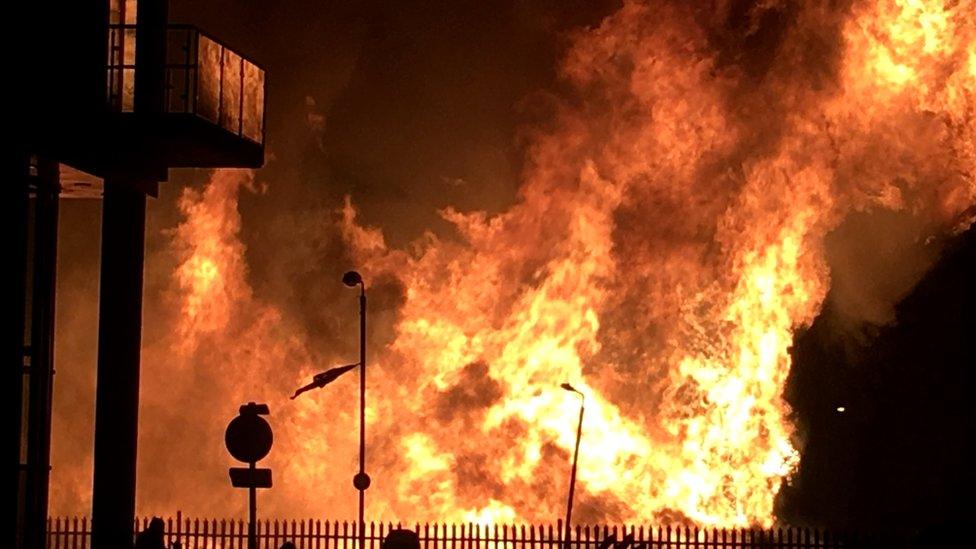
x=204, y=80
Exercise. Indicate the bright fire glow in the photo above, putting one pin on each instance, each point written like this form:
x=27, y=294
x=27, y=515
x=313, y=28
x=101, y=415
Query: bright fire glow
x=666, y=243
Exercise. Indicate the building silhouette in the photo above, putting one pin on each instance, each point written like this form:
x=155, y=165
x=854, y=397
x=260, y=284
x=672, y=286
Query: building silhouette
x=109, y=96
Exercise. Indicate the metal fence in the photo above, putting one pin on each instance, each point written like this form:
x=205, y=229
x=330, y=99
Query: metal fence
x=74, y=533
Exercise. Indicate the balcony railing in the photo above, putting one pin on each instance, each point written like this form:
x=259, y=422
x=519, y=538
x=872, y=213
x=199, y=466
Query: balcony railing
x=121, y=75
x=203, y=78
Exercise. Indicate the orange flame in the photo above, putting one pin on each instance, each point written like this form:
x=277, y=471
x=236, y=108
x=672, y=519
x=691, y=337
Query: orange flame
x=528, y=291
x=661, y=255
x=211, y=276
x=666, y=244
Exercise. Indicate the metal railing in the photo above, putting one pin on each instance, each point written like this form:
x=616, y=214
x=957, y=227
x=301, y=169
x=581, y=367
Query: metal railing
x=121, y=69
x=74, y=533
x=202, y=77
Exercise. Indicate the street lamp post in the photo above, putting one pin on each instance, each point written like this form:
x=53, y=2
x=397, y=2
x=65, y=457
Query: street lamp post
x=572, y=475
x=361, y=481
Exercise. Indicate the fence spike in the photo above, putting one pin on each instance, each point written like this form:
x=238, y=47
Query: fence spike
x=195, y=533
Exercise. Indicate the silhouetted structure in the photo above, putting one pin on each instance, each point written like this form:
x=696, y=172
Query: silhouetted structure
x=572, y=475
x=152, y=536
x=401, y=538
x=322, y=379
x=197, y=534
x=110, y=97
x=361, y=480
x=249, y=438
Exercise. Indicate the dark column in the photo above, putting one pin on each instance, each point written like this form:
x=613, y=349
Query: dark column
x=119, y=342
x=41, y=372
x=15, y=205
x=151, y=18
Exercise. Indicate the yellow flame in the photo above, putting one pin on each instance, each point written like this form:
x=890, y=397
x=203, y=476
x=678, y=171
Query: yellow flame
x=662, y=252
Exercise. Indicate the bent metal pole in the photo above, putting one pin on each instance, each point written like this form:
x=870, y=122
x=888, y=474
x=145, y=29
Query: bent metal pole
x=572, y=475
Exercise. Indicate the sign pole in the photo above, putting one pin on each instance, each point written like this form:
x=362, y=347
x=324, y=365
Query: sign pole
x=249, y=438
x=252, y=540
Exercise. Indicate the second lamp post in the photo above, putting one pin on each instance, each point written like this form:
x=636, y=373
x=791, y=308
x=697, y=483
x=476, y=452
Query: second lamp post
x=572, y=475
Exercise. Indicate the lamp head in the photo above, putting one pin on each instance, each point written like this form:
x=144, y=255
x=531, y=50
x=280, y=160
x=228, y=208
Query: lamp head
x=352, y=279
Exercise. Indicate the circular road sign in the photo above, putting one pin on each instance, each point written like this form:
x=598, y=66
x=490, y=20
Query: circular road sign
x=248, y=437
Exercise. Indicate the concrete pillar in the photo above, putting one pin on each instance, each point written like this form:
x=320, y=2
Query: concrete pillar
x=15, y=206
x=119, y=343
x=151, y=22
x=41, y=372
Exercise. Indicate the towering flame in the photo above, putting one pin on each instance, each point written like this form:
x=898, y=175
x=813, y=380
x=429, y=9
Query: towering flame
x=667, y=241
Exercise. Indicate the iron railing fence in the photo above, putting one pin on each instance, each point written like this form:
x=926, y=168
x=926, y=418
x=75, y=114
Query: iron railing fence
x=74, y=533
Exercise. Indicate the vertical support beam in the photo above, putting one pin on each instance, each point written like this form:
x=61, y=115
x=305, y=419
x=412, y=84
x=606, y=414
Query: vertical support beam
x=119, y=345
x=41, y=373
x=151, y=20
x=15, y=205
